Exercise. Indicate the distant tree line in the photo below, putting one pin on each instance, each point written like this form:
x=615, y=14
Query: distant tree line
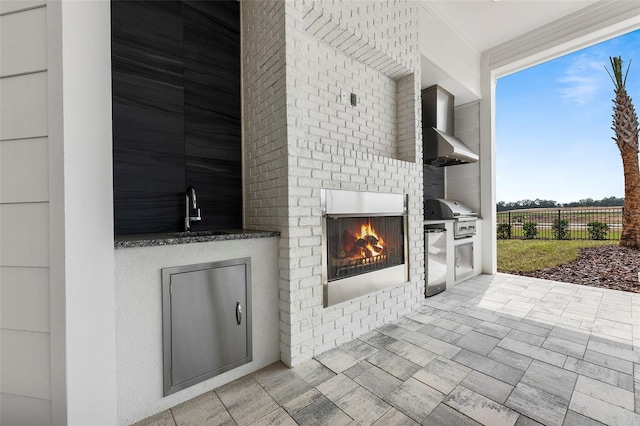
x=540, y=204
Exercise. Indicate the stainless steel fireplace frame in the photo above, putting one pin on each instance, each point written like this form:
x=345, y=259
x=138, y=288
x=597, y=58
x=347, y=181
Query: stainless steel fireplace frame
x=338, y=203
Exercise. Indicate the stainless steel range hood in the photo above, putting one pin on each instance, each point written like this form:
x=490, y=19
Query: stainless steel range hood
x=440, y=147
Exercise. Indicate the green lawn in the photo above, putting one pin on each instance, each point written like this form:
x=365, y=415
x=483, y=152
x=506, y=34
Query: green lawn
x=531, y=255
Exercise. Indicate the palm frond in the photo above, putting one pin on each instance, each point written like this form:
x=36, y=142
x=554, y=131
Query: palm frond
x=624, y=82
x=616, y=68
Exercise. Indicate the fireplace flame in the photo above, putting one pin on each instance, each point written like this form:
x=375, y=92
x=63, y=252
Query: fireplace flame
x=369, y=242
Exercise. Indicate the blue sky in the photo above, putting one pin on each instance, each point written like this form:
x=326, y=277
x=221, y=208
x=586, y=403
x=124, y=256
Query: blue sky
x=553, y=126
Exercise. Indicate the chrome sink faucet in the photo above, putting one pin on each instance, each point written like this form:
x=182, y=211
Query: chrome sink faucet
x=191, y=208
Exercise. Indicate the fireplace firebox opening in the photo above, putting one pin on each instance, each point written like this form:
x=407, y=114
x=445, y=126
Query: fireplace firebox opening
x=360, y=245
x=364, y=240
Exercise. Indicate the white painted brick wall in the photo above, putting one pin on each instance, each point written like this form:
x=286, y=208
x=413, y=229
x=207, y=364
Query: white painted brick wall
x=301, y=135
x=264, y=110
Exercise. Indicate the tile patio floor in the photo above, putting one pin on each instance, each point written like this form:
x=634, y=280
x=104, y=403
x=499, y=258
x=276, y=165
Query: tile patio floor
x=495, y=350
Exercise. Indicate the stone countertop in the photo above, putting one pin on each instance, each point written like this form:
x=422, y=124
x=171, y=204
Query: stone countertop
x=437, y=221
x=170, y=238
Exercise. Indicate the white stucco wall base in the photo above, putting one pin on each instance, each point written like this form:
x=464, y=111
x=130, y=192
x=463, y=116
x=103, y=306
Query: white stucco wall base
x=139, y=319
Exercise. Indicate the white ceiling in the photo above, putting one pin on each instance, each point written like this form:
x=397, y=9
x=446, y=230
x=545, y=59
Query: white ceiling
x=484, y=24
x=488, y=23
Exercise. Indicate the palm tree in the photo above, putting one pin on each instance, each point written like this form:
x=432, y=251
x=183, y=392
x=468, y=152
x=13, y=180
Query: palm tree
x=625, y=126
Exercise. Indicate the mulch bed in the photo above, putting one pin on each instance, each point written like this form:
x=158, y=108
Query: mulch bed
x=613, y=267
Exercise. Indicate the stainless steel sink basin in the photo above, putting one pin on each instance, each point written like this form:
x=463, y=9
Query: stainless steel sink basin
x=196, y=233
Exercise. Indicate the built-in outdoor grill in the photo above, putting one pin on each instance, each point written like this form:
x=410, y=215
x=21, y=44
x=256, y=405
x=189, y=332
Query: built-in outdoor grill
x=464, y=218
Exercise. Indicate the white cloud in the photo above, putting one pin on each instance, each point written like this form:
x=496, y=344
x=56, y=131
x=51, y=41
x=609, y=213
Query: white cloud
x=583, y=78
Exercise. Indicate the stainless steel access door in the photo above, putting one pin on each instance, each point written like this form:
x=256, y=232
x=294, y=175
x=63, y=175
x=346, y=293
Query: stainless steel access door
x=464, y=260
x=209, y=321
x=435, y=244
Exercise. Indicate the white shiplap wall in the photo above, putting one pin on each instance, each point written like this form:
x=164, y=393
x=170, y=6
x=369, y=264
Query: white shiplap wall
x=24, y=215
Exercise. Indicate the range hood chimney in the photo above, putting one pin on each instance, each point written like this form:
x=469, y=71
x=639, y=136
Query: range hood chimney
x=440, y=147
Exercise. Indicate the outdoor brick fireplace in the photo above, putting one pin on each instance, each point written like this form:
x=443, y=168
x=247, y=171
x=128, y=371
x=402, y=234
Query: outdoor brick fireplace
x=363, y=243
x=303, y=134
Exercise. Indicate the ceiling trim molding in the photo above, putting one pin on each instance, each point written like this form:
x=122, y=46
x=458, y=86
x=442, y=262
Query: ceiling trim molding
x=580, y=29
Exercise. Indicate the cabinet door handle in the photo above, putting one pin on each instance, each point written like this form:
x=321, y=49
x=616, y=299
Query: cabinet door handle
x=238, y=312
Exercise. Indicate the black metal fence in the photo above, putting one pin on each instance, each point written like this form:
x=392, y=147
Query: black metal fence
x=561, y=224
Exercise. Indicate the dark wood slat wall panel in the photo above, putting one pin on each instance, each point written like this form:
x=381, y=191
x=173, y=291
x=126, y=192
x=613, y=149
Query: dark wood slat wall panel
x=212, y=111
x=433, y=182
x=148, y=114
x=218, y=198
x=225, y=13
x=160, y=207
x=176, y=113
x=149, y=25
